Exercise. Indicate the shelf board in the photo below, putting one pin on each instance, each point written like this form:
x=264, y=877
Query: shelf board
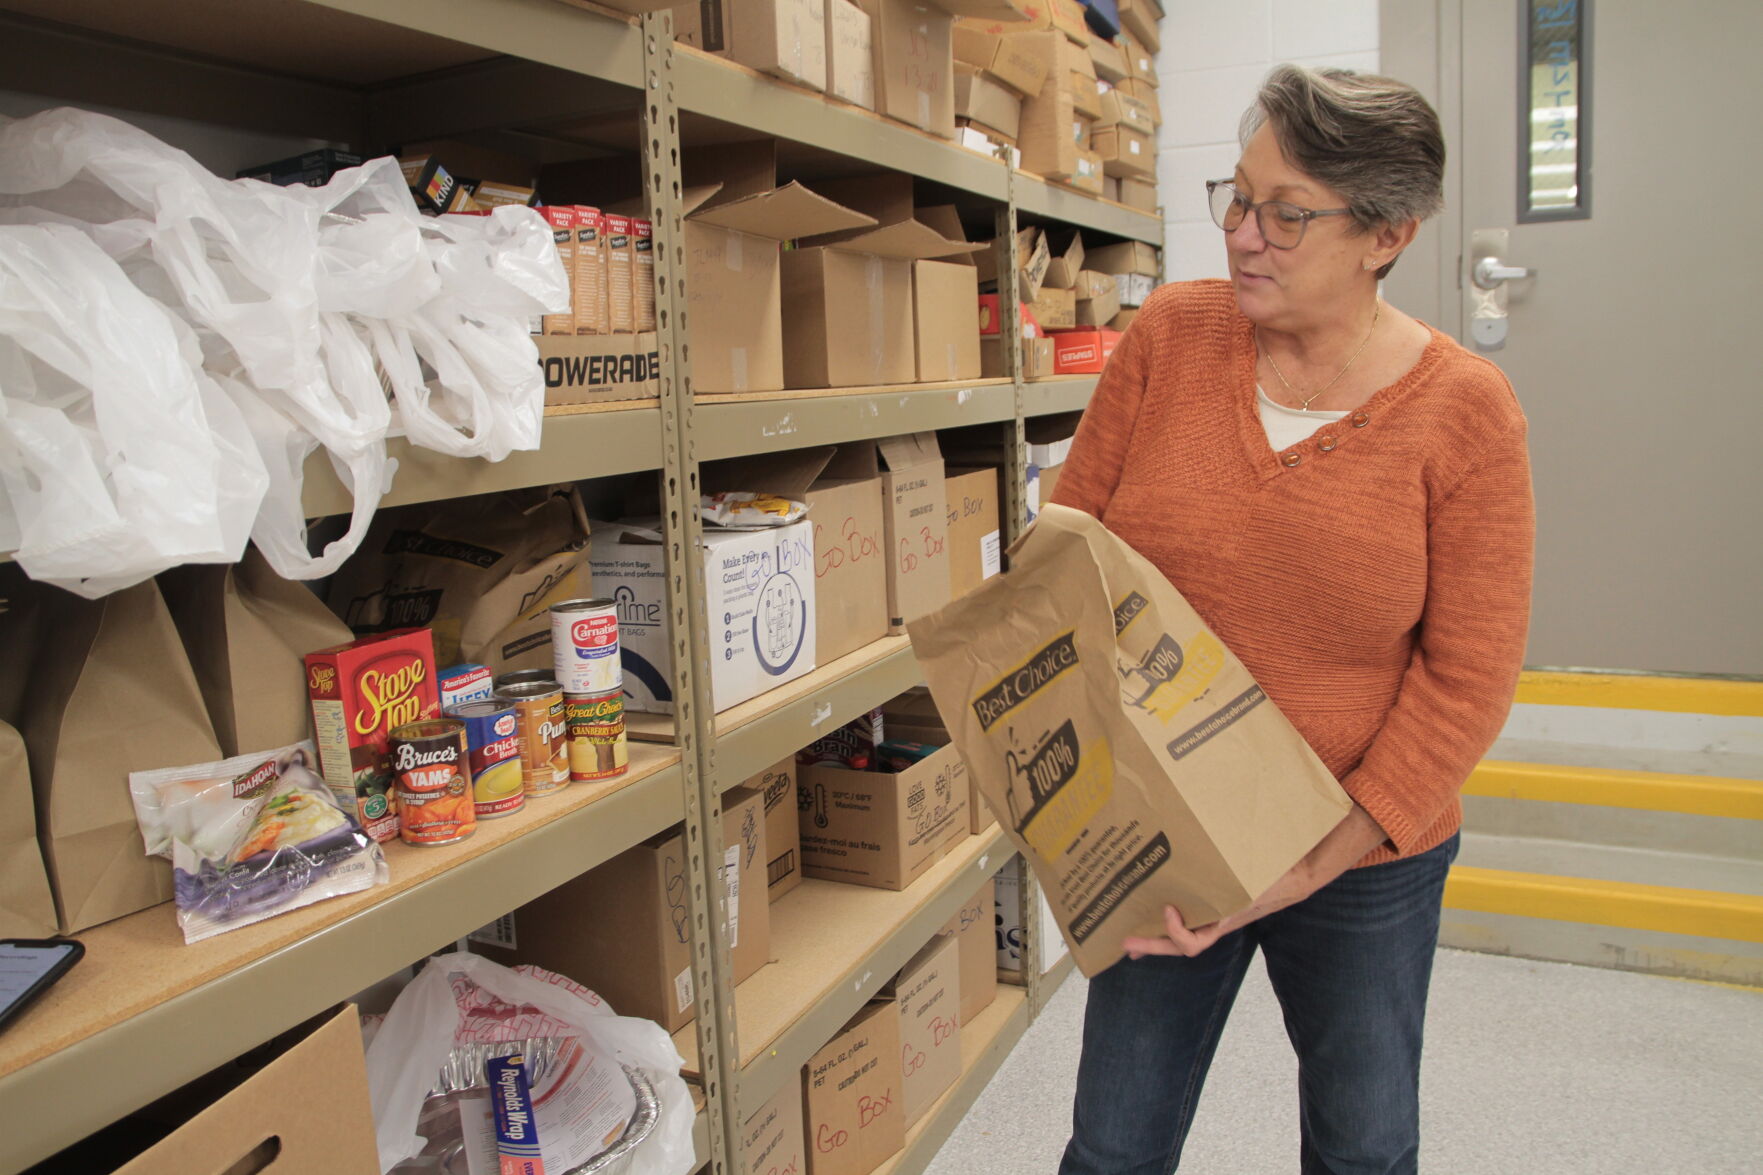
x=1056, y=202
x=1066, y=393
x=834, y=946
x=985, y=1042
x=764, y=422
x=598, y=441
x=757, y=733
x=143, y=1013
x=1052, y=979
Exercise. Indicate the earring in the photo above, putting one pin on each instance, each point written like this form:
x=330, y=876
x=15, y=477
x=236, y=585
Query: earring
x=1367, y=266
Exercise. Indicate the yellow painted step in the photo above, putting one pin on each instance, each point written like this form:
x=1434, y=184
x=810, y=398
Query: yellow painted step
x=1694, y=912
x=1694, y=795
x=1634, y=691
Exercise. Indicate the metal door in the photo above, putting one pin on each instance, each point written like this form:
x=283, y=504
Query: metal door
x=1634, y=345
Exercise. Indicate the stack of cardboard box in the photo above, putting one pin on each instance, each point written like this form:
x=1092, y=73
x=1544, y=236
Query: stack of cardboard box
x=1079, y=301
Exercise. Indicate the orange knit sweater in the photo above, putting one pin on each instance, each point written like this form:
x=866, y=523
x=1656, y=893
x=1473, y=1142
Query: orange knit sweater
x=1375, y=578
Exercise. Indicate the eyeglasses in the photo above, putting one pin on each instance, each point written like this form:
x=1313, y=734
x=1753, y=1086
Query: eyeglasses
x=1283, y=229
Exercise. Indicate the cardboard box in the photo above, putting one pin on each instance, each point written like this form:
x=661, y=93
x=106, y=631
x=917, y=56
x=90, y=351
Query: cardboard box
x=596, y=369
x=759, y=584
x=435, y=189
x=1037, y=358
x=975, y=541
x=1055, y=309
x=1008, y=914
x=734, y=281
x=1100, y=309
x=1083, y=352
x=916, y=526
x=913, y=716
x=490, y=194
x=1093, y=283
x=974, y=928
x=1087, y=175
x=784, y=38
x=847, y=319
x=562, y=219
x=1004, y=58
x=1068, y=17
x=1078, y=74
x=1063, y=272
x=587, y=269
x=881, y=828
x=1140, y=18
x=1049, y=147
x=306, y=1109
x=1137, y=193
x=914, y=64
x=1138, y=60
x=986, y=103
x=846, y=507
x=783, y=835
x=1032, y=260
x=1120, y=109
x=1126, y=257
x=1134, y=288
x=746, y=864
x=1144, y=92
x=620, y=928
x=851, y=1095
x=945, y=307
x=773, y=1141
x=1124, y=319
x=1126, y=152
x=1108, y=60
x=850, y=54
x=991, y=318
x=928, y=990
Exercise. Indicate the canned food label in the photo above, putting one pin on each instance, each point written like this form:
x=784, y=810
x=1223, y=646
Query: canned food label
x=585, y=651
x=434, y=794
x=597, y=745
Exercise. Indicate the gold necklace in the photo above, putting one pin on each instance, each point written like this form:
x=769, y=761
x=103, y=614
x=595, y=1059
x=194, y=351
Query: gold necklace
x=1376, y=311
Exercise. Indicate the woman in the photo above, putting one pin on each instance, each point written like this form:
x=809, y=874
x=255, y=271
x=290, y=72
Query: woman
x=1344, y=495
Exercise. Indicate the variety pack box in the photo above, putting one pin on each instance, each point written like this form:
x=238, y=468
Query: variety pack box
x=916, y=526
x=881, y=828
x=974, y=928
x=776, y=785
x=772, y=1138
x=759, y=587
x=976, y=549
x=563, y=219
x=851, y=1095
x=784, y=38
x=850, y=54
x=945, y=309
x=928, y=990
x=587, y=266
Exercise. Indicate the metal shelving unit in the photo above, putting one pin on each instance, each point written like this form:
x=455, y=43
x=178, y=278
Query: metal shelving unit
x=378, y=72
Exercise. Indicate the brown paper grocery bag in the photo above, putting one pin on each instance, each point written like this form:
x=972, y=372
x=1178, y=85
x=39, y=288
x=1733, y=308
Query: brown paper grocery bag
x=247, y=631
x=27, y=907
x=1129, y=754
x=98, y=689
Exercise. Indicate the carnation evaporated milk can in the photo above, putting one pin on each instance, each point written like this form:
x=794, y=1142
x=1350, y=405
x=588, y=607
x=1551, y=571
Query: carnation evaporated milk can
x=360, y=692
x=433, y=784
x=597, y=747
x=584, y=646
x=544, y=755
x=492, y=742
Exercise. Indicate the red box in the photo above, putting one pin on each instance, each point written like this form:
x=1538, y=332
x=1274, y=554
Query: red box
x=360, y=692
x=1083, y=352
x=990, y=314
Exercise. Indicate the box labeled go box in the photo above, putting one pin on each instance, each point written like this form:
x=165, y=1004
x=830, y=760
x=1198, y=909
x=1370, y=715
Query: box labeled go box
x=881, y=828
x=851, y=1095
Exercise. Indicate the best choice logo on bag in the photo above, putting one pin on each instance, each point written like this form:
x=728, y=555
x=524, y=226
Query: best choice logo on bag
x=1132, y=758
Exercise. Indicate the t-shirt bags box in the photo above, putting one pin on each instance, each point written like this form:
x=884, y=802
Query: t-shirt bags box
x=1129, y=754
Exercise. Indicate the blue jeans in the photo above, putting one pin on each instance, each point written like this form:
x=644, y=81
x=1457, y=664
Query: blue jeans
x=1350, y=966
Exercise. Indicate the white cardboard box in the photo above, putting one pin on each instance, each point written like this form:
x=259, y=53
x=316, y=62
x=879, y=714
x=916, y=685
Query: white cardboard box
x=759, y=587
x=1010, y=923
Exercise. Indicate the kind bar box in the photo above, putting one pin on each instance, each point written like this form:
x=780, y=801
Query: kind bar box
x=850, y=54
x=596, y=369
x=783, y=838
x=772, y=1139
x=588, y=271
x=881, y=828
x=916, y=526
x=851, y=1095
x=1130, y=756
x=759, y=587
x=928, y=990
x=562, y=219
x=976, y=550
x=945, y=306
x=974, y=928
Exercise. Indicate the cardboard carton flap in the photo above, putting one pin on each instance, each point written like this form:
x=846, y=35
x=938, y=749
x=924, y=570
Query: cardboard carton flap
x=904, y=452
x=782, y=214
x=999, y=10
x=907, y=241
x=695, y=198
x=788, y=475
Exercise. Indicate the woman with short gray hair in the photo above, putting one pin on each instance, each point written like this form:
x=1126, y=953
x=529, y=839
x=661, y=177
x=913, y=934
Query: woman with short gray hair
x=1343, y=494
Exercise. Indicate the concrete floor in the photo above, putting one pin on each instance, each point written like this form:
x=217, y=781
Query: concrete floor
x=1531, y=1069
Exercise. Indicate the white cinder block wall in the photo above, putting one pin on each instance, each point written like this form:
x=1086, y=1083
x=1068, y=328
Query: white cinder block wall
x=1213, y=59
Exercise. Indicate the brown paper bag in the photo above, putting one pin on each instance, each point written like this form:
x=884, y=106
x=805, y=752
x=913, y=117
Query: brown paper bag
x=482, y=572
x=27, y=907
x=1131, y=757
x=247, y=631
x=110, y=691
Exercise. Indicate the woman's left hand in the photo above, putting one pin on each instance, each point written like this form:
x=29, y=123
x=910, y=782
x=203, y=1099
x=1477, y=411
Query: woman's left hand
x=1345, y=845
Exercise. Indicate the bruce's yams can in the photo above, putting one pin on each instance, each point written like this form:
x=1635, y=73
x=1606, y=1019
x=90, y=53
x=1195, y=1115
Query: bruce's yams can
x=433, y=787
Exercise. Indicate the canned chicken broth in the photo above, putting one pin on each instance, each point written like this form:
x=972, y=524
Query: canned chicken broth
x=544, y=755
x=597, y=748
x=492, y=742
x=428, y=760
x=584, y=646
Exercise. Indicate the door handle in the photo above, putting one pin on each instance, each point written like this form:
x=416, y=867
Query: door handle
x=1489, y=273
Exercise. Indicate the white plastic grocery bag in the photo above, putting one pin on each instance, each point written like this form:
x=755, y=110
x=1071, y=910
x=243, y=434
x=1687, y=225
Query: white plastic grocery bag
x=460, y=999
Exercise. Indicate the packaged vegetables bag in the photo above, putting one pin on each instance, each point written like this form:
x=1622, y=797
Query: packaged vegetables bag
x=251, y=837
x=437, y=1074
x=1130, y=756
